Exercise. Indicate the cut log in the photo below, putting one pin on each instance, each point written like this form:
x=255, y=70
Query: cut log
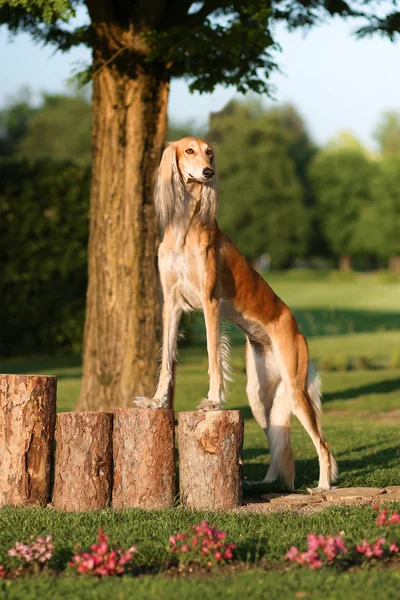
x=210, y=459
x=83, y=466
x=27, y=422
x=144, y=458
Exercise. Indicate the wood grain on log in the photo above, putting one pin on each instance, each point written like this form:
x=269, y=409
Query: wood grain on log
x=144, y=458
x=27, y=422
x=210, y=459
x=83, y=466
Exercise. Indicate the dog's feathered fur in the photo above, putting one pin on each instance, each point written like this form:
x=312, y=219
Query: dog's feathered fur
x=200, y=269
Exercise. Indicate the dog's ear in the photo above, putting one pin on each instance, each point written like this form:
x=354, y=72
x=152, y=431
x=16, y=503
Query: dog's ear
x=169, y=189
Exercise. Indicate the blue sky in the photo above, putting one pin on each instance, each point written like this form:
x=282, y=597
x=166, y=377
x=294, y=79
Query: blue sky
x=336, y=81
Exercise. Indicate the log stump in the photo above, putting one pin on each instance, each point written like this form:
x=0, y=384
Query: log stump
x=144, y=458
x=83, y=465
x=210, y=459
x=27, y=422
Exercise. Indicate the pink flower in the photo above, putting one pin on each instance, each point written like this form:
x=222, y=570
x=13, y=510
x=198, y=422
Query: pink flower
x=206, y=545
x=103, y=560
x=383, y=520
x=393, y=548
x=394, y=518
x=292, y=553
x=371, y=550
x=320, y=548
x=37, y=553
x=2, y=572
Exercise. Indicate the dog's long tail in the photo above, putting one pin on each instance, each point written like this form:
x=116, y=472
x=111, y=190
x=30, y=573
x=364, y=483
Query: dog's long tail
x=314, y=392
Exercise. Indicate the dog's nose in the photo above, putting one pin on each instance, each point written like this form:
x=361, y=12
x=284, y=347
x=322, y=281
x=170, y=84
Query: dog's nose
x=208, y=173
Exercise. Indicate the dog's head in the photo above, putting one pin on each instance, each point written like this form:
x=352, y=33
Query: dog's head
x=184, y=164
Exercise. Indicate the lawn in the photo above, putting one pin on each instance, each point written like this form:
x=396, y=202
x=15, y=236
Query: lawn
x=361, y=422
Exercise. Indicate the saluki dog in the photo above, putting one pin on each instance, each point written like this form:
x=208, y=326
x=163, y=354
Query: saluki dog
x=201, y=269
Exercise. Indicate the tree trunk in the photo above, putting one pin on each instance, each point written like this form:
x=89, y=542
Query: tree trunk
x=122, y=307
x=345, y=263
x=144, y=458
x=394, y=264
x=83, y=465
x=210, y=459
x=27, y=421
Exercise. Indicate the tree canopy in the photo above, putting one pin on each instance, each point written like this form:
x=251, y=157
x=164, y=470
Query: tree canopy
x=387, y=133
x=226, y=42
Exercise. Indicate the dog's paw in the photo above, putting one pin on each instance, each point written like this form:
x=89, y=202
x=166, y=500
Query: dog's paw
x=142, y=402
x=206, y=404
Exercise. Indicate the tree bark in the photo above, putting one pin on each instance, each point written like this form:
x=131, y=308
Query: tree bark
x=345, y=263
x=27, y=422
x=83, y=465
x=122, y=322
x=144, y=458
x=210, y=459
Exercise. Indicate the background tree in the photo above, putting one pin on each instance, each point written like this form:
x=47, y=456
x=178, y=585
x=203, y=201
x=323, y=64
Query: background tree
x=43, y=249
x=342, y=175
x=262, y=205
x=387, y=133
x=60, y=129
x=377, y=231
x=14, y=120
x=137, y=48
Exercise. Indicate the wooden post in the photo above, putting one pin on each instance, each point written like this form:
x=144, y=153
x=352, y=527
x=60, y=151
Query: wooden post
x=83, y=466
x=27, y=421
x=210, y=459
x=144, y=458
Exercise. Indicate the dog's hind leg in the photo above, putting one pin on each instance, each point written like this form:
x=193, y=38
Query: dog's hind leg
x=257, y=383
x=269, y=406
x=282, y=459
x=291, y=351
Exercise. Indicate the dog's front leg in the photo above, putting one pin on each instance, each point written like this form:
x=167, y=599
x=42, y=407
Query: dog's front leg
x=171, y=317
x=211, y=317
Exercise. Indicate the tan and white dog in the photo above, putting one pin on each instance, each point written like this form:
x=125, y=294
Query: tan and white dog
x=201, y=269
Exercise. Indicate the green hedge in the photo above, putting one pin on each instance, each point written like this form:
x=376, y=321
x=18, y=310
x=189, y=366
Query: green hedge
x=43, y=256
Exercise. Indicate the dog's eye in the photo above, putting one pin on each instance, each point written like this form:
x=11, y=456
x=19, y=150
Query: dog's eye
x=189, y=151
x=209, y=152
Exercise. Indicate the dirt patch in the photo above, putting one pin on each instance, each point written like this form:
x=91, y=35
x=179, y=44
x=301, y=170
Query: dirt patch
x=316, y=501
x=392, y=415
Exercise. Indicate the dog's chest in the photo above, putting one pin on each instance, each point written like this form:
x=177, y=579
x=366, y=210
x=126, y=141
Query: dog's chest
x=186, y=266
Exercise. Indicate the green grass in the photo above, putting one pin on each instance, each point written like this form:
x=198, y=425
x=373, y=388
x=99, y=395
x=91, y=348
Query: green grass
x=256, y=535
x=256, y=584
x=357, y=317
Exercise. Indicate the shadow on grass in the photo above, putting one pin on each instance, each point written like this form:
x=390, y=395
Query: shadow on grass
x=318, y=322
x=314, y=322
x=373, y=458
x=386, y=386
